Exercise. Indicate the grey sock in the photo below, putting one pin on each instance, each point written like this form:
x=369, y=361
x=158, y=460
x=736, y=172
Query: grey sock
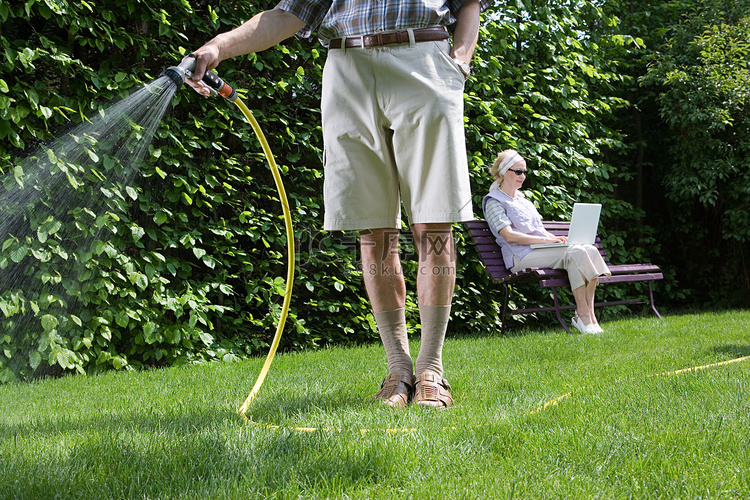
x=392, y=329
x=434, y=326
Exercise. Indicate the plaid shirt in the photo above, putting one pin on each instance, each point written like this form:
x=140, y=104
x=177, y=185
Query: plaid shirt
x=337, y=18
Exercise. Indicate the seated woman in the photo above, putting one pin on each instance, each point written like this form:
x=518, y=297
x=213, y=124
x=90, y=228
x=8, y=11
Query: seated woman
x=516, y=224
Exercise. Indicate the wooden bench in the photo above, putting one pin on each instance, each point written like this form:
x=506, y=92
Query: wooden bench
x=492, y=258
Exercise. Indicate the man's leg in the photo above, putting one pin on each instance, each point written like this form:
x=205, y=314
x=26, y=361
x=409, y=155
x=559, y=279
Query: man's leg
x=385, y=286
x=436, y=282
x=381, y=269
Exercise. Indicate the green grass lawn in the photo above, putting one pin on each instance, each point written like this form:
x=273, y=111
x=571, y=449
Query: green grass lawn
x=625, y=423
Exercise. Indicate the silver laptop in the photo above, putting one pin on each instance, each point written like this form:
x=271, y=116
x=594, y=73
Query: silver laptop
x=584, y=224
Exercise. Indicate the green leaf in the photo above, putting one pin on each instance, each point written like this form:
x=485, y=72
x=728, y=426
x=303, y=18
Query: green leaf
x=137, y=232
x=150, y=333
x=65, y=358
x=35, y=360
x=18, y=174
x=140, y=280
x=94, y=157
x=122, y=319
x=49, y=323
x=45, y=112
x=18, y=254
x=149, y=328
x=160, y=218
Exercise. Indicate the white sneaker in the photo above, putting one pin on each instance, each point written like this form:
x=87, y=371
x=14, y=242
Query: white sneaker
x=580, y=327
x=584, y=328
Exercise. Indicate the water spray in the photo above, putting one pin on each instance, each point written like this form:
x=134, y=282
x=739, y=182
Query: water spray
x=211, y=84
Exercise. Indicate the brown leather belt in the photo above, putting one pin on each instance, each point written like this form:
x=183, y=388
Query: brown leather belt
x=429, y=34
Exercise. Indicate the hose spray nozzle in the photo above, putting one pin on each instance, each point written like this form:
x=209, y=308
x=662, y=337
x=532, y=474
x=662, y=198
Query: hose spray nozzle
x=210, y=83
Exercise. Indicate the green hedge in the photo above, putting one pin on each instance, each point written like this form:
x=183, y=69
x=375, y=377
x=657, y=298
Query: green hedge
x=184, y=261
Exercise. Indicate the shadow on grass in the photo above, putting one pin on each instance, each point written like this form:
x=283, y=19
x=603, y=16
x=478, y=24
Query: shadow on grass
x=205, y=452
x=181, y=420
x=733, y=350
x=155, y=420
x=305, y=410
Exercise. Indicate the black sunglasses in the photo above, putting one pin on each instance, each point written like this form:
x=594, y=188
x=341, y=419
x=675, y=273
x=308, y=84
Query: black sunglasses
x=518, y=171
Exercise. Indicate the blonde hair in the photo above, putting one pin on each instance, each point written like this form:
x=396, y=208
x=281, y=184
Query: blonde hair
x=495, y=168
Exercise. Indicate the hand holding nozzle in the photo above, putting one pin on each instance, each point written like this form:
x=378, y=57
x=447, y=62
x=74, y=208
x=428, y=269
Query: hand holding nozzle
x=200, y=87
x=206, y=58
x=209, y=79
x=187, y=66
x=198, y=69
x=204, y=83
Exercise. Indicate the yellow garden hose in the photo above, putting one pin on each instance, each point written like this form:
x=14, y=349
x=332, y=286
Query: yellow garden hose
x=559, y=399
x=209, y=84
x=290, y=255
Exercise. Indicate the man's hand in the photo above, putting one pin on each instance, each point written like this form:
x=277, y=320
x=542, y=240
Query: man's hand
x=206, y=58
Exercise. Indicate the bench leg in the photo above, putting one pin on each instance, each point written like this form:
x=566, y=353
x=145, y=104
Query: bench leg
x=651, y=300
x=505, y=308
x=557, y=310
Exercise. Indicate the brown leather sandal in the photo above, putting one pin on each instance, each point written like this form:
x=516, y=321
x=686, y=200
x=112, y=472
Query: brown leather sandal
x=396, y=390
x=433, y=391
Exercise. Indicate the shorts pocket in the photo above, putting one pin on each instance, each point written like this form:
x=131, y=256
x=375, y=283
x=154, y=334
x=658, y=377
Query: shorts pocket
x=444, y=54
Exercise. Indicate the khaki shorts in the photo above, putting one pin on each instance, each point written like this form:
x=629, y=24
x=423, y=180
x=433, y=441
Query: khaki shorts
x=393, y=130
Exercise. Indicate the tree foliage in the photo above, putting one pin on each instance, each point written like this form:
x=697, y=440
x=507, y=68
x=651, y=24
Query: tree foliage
x=689, y=135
